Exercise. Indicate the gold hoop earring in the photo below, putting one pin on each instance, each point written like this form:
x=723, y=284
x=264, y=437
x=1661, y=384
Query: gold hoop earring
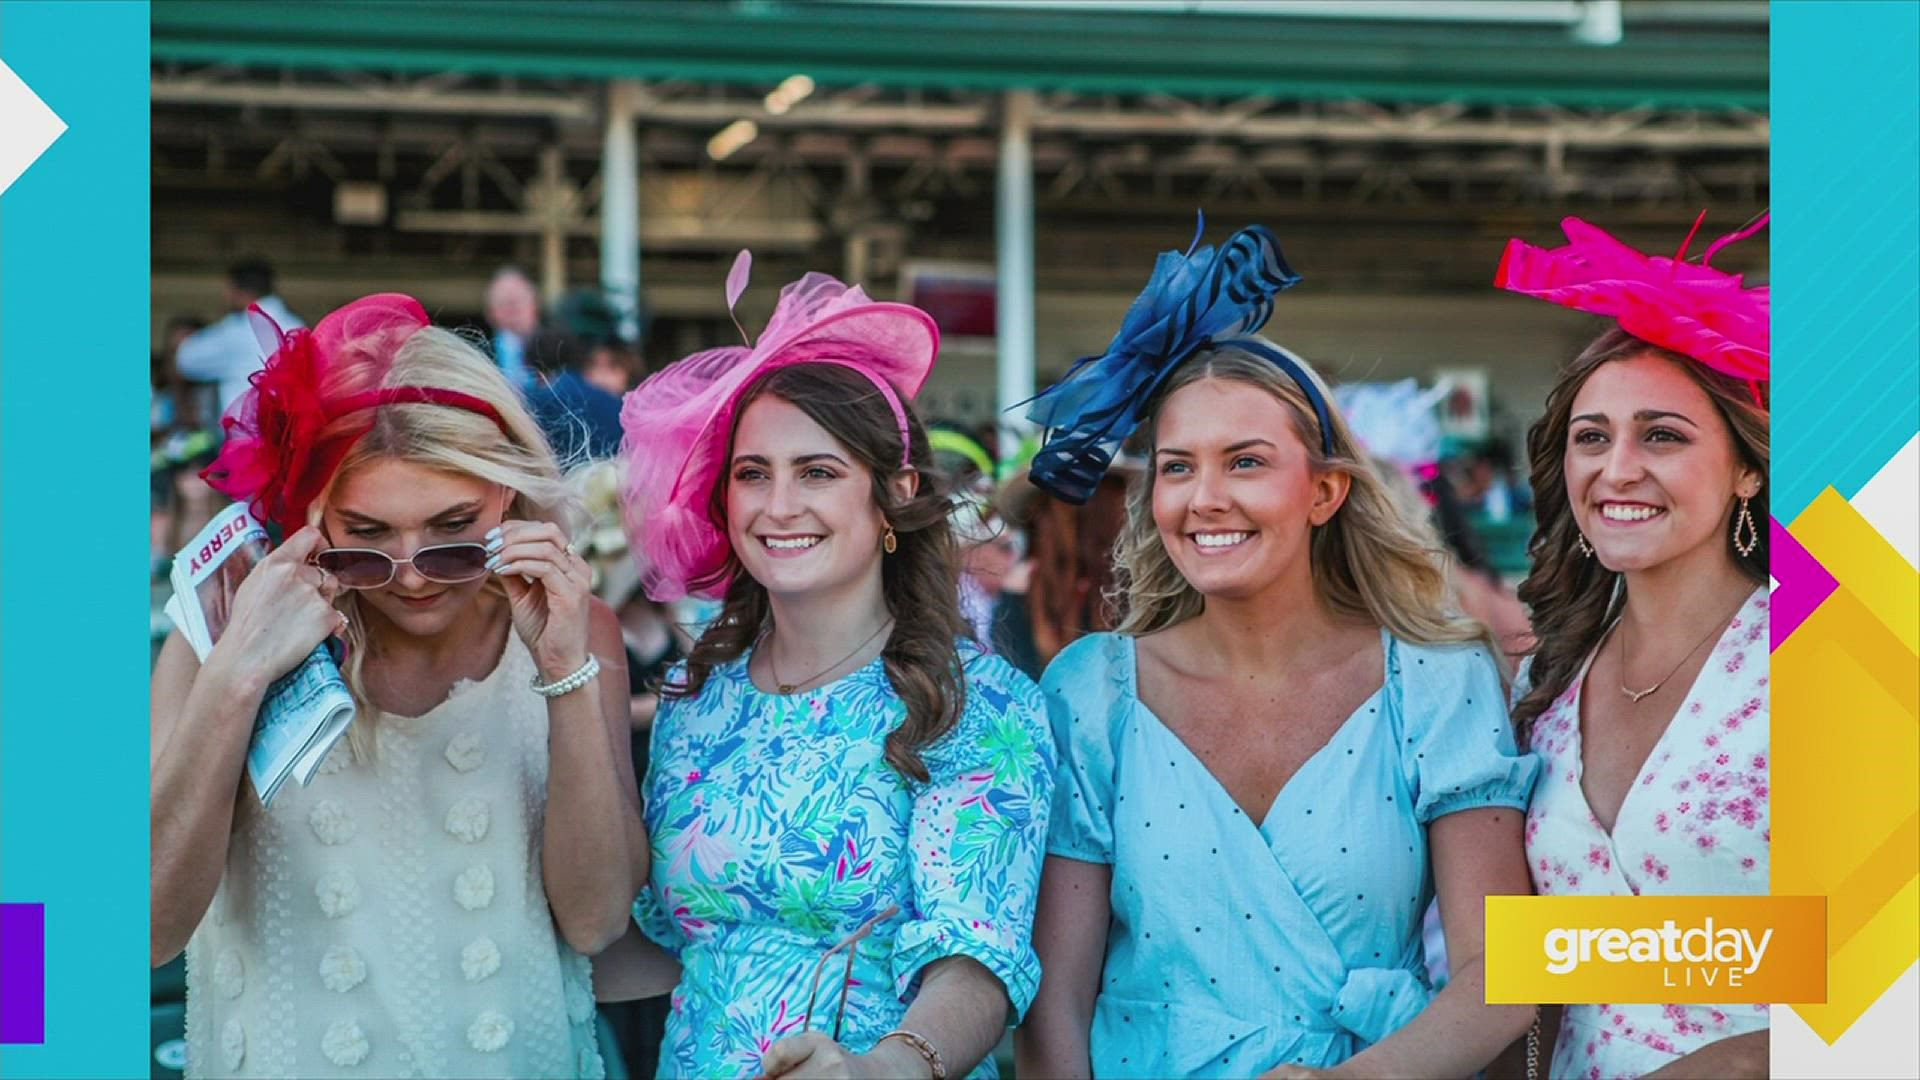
x=1580, y=542
x=1745, y=519
x=889, y=543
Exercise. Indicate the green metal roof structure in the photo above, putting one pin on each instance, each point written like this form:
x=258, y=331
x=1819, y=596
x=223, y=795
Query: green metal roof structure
x=1703, y=62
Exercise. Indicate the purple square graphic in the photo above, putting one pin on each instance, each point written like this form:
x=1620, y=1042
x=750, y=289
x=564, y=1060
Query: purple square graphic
x=23, y=973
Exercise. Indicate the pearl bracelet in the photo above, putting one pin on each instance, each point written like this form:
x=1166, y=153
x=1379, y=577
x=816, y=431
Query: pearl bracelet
x=567, y=684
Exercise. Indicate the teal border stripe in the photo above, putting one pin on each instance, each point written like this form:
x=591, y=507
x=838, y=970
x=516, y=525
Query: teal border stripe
x=1846, y=243
x=73, y=599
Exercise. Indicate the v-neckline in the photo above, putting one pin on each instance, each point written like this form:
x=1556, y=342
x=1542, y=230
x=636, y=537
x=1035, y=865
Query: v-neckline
x=1132, y=671
x=1639, y=775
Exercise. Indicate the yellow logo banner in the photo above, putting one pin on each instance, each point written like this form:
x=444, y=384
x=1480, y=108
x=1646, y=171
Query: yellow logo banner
x=1656, y=950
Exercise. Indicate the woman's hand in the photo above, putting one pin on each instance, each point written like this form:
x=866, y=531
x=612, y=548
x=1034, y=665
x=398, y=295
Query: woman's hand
x=281, y=611
x=548, y=587
x=814, y=1055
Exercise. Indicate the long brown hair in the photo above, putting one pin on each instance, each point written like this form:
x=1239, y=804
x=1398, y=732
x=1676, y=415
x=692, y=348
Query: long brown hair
x=1370, y=560
x=920, y=579
x=1572, y=597
x=1070, y=591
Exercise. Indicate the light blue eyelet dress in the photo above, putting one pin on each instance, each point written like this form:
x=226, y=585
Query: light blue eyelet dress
x=1238, y=945
x=778, y=827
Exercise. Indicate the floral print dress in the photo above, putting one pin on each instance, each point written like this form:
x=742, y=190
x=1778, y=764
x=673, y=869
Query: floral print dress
x=778, y=828
x=1695, y=823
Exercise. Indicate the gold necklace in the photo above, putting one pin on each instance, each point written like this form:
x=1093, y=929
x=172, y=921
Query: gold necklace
x=784, y=687
x=1636, y=695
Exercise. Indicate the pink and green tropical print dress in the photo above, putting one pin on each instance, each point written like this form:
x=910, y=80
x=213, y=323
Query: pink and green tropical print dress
x=778, y=828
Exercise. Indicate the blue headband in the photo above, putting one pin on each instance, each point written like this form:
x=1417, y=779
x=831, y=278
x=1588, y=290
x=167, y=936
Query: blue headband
x=1200, y=299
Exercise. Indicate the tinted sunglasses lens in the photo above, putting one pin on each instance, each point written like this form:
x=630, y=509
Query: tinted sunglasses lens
x=356, y=569
x=451, y=564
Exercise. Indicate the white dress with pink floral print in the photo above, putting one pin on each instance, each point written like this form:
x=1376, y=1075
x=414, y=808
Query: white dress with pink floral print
x=1695, y=823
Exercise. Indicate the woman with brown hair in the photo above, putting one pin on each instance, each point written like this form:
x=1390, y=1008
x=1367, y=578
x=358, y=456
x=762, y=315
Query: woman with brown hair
x=835, y=768
x=1646, y=695
x=1062, y=588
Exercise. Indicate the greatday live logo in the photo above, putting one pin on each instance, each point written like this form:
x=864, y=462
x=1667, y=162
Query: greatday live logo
x=1684, y=950
x=1725, y=955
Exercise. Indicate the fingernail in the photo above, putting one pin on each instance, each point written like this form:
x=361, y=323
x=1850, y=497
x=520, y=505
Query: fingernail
x=493, y=562
x=495, y=544
x=493, y=533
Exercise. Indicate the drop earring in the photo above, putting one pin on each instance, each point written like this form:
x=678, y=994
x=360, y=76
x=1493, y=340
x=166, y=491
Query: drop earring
x=1744, y=520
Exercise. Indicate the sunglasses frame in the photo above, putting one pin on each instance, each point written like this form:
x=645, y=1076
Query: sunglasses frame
x=850, y=944
x=393, y=564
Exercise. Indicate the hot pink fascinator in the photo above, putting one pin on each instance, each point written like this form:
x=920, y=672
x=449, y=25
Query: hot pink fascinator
x=1694, y=310
x=679, y=423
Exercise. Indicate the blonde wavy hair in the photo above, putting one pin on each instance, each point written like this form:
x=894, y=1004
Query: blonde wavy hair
x=1371, y=560
x=448, y=440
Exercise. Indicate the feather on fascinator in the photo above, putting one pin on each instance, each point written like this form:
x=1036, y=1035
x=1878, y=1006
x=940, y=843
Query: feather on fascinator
x=1693, y=310
x=314, y=399
x=1206, y=296
x=679, y=422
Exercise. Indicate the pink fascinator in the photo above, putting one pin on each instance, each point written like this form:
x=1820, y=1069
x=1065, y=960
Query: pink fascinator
x=679, y=422
x=1694, y=310
x=314, y=400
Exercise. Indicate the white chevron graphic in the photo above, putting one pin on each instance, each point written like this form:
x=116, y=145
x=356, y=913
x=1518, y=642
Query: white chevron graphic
x=27, y=127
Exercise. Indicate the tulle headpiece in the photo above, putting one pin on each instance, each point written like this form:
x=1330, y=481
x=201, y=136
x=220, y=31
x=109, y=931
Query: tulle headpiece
x=1203, y=297
x=314, y=400
x=1396, y=421
x=1693, y=310
x=679, y=422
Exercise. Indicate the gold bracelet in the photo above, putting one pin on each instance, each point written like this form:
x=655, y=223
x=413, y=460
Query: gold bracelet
x=920, y=1046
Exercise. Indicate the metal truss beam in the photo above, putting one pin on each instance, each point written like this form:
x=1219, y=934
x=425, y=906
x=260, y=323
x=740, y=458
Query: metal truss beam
x=1254, y=119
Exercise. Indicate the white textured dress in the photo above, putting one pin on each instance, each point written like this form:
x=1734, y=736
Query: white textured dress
x=389, y=919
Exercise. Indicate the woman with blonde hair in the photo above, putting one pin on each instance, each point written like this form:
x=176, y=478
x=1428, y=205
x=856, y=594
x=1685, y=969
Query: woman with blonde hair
x=425, y=906
x=1288, y=746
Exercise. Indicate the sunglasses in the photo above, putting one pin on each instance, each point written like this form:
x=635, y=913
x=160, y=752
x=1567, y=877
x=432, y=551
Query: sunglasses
x=850, y=944
x=367, y=568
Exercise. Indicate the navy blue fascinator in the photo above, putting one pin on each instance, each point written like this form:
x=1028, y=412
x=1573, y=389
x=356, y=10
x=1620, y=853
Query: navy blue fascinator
x=1206, y=296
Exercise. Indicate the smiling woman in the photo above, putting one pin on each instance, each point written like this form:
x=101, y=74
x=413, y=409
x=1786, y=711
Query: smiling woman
x=1291, y=713
x=834, y=768
x=1646, y=695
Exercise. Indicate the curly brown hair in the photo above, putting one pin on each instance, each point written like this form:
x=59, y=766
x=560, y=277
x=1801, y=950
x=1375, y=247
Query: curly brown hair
x=1572, y=597
x=920, y=578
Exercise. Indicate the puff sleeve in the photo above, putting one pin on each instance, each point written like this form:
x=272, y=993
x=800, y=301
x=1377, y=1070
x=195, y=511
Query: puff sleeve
x=1461, y=753
x=1080, y=691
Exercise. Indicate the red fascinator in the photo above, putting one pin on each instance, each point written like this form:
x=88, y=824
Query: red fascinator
x=314, y=400
x=1693, y=310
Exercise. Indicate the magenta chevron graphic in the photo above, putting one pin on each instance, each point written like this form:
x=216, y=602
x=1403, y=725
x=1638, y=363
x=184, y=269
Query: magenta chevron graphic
x=1804, y=583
